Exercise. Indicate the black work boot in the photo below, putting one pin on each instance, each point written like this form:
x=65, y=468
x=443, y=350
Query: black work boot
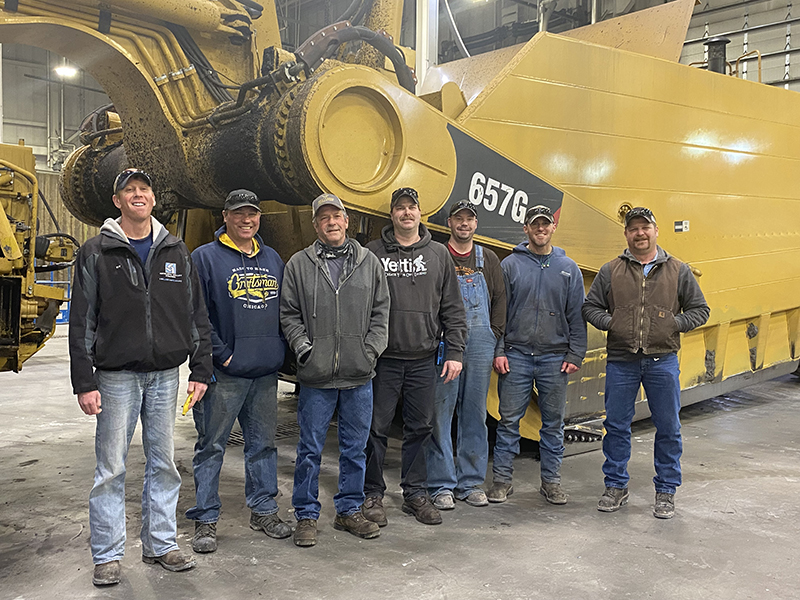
x=499, y=492
x=664, y=508
x=106, y=573
x=613, y=499
x=552, y=492
x=424, y=511
x=271, y=525
x=373, y=510
x=305, y=534
x=205, y=537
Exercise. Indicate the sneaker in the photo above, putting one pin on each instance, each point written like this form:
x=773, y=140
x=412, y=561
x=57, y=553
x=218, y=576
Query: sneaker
x=174, y=560
x=664, y=508
x=613, y=499
x=358, y=525
x=106, y=573
x=444, y=501
x=305, y=534
x=477, y=498
x=373, y=510
x=552, y=492
x=205, y=537
x=271, y=525
x=499, y=492
x=423, y=510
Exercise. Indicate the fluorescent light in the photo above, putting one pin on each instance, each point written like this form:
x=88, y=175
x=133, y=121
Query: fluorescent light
x=66, y=71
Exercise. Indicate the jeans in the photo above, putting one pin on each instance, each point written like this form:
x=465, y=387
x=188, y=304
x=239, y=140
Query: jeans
x=126, y=397
x=255, y=403
x=466, y=397
x=414, y=380
x=514, y=389
x=661, y=380
x=314, y=412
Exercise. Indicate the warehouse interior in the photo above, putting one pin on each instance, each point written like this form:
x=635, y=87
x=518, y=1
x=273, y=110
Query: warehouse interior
x=735, y=534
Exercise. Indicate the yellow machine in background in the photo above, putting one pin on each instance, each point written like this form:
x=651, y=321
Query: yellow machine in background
x=28, y=310
x=589, y=123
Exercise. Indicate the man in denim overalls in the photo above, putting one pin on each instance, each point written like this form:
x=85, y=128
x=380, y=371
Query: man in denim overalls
x=484, y=296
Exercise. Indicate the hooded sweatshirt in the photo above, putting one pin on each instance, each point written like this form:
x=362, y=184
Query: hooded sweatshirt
x=126, y=315
x=545, y=297
x=242, y=295
x=426, y=298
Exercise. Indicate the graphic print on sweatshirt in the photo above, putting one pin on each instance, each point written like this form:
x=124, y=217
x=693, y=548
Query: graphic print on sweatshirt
x=253, y=285
x=404, y=267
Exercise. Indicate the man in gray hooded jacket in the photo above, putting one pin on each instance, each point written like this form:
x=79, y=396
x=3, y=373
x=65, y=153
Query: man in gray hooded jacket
x=335, y=316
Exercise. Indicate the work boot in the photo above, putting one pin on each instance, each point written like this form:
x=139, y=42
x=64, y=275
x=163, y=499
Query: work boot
x=357, y=524
x=444, y=501
x=305, y=534
x=477, y=498
x=373, y=510
x=271, y=525
x=422, y=509
x=552, y=492
x=499, y=492
x=106, y=573
x=205, y=537
x=664, y=508
x=613, y=499
x=174, y=560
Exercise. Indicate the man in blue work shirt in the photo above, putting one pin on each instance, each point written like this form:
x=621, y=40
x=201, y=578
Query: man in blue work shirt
x=544, y=343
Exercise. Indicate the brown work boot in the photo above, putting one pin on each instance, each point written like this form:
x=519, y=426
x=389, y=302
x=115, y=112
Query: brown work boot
x=373, y=510
x=305, y=534
x=552, y=492
x=106, y=573
x=499, y=492
x=174, y=560
x=424, y=511
x=613, y=499
x=358, y=525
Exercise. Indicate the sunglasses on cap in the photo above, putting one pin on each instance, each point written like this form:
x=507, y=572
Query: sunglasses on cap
x=122, y=179
x=538, y=211
x=463, y=205
x=404, y=191
x=642, y=212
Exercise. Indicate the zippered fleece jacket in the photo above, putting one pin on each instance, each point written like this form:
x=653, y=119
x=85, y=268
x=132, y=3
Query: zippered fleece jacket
x=345, y=327
x=645, y=314
x=426, y=297
x=544, y=296
x=120, y=320
x=242, y=294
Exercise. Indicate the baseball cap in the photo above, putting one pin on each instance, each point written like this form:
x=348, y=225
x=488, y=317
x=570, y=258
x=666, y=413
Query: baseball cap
x=326, y=200
x=239, y=198
x=123, y=178
x=463, y=205
x=402, y=192
x=641, y=212
x=540, y=210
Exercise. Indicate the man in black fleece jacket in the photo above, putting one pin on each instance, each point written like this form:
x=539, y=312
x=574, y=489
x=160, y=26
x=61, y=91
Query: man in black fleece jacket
x=425, y=303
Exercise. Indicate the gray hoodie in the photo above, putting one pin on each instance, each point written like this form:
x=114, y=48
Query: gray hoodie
x=345, y=328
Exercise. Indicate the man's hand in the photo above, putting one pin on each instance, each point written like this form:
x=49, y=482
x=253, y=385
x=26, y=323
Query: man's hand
x=452, y=369
x=569, y=368
x=90, y=402
x=199, y=390
x=500, y=365
x=227, y=362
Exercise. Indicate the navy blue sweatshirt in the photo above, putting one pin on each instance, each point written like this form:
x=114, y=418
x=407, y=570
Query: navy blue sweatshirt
x=242, y=295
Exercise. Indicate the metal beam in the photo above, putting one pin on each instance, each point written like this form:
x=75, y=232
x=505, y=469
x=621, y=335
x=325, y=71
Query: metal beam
x=427, y=43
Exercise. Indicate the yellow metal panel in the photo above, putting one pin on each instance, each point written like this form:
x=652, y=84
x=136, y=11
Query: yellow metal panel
x=777, y=348
x=692, y=359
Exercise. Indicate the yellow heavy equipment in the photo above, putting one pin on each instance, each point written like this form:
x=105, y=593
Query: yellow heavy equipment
x=590, y=123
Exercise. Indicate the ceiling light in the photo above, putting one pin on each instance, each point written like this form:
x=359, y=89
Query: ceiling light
x=66, y=71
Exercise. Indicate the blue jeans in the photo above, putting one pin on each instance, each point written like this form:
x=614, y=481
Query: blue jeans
x=255, y=403
x=466, y=397
x=126, y=397
x=514, y=389
x=661, y=380
x=314, y=412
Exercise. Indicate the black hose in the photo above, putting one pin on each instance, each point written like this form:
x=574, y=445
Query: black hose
x=52, y=216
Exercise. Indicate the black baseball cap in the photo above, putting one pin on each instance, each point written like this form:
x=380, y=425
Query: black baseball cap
x=463, y=205
x=123, y=178
x=642, y=213
x=540, y=210
x=240, y=198
x=402, y=192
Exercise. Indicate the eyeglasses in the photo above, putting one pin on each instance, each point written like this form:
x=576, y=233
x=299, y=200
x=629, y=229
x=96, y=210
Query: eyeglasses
x=122, y=179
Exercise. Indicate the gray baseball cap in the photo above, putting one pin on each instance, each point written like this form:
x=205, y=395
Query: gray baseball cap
x=326, y=200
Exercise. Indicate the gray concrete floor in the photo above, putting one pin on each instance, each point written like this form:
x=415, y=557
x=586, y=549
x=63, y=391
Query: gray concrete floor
x=735, y=534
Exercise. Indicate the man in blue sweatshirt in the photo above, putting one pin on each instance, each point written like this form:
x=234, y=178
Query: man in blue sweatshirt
x=241, y=279
x=544, y=343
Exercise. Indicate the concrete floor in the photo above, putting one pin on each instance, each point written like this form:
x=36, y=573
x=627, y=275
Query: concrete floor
x=736, y=533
